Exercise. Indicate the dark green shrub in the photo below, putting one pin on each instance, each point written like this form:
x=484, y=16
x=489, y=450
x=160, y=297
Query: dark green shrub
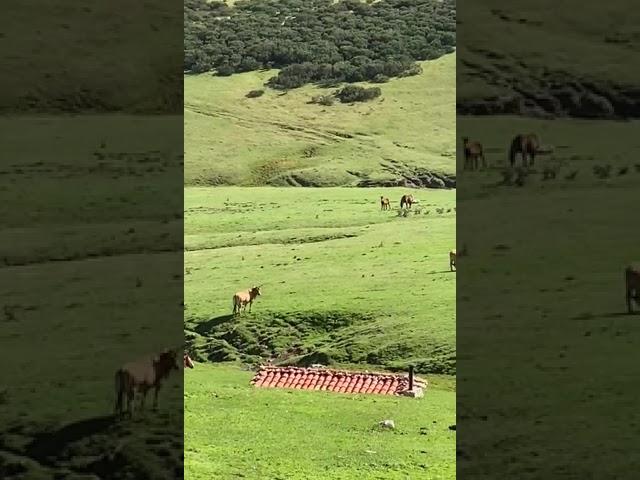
x=255, y=94
x=353, y=93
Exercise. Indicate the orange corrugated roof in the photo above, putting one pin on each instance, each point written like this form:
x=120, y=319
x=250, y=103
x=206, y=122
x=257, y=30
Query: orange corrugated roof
x=340, y=381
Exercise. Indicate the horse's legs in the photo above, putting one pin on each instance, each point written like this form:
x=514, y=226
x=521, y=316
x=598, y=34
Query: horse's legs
x=143, y=397
x=532, y=154
x=118, y=406
x=155, y=397
x=130, y=400
x=629, y=306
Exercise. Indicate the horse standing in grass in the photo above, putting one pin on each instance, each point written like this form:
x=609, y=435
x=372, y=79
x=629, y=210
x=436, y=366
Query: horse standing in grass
x=527, y=145
x=407, y=200
x=472, y=152
x=141, y=376
x=242, y=299
x=385, y=204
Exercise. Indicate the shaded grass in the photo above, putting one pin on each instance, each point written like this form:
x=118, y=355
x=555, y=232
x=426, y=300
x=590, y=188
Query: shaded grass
x=82, y=271
x=546, y=265
x=490, y=66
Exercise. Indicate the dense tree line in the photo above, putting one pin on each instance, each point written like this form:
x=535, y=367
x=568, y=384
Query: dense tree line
x=318, y=41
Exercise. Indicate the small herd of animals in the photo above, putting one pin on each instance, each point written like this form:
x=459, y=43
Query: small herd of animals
x=406, y=201
x=136, y=379
x=527, y=146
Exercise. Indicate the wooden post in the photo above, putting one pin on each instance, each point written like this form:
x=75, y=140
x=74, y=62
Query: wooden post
x=410, y=377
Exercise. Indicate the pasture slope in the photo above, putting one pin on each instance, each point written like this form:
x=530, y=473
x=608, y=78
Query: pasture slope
x=565, y=400
x=543, y=70
x=74, y=305
x=281, y=139
x=344, y=284
x=563, y=286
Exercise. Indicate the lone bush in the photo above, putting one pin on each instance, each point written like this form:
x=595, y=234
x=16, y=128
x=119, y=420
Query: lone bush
x=255, y=93
x=353, y=93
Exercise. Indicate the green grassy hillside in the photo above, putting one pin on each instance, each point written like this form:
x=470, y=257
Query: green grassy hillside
x=343, y=281
x=118, y=56
x=543, y=63
x=281, y=139
x=233, y=430
x=77, y=303
x=562, y=290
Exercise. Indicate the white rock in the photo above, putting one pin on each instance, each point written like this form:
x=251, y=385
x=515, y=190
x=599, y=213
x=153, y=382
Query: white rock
x=390, y=424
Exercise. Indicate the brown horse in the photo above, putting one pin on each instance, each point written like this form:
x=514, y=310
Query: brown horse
x=525, y=145
x=242, y=299
x=188, y=363
x=139, y=377
x=632, y=284
x=384, y=203
x=472, y=152
x=407, y=200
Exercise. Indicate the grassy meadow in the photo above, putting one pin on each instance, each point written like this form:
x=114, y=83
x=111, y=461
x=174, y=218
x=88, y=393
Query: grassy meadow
x=281, y=139
x=344, y=283
x=233, y=430
x=556, y=277
x=323, y=256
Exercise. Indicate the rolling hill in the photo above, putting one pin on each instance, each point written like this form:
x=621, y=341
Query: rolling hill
x=568, y=61
x=404, y=137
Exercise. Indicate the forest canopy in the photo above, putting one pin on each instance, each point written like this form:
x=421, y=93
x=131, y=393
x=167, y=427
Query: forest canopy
x=317, y=41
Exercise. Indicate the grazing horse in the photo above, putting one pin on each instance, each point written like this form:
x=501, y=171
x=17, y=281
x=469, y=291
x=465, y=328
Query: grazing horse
x=525, y=145
x=452, y=260
x=242, y=299
x=407, y=200
x=384, y=203
x=188, y=363
x=472, y=152
x=141, y=376
x=632, y=281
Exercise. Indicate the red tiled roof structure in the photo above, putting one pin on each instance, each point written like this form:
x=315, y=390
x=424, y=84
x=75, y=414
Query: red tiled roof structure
x=340, y=381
